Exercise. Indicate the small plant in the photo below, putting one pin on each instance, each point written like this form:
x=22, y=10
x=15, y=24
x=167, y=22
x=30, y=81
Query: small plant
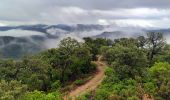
x=56, y=85
x=93, y=66
x=85, y=96
x=79, y=82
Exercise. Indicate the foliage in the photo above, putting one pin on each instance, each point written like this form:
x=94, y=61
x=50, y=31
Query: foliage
x=39, y=95
x=34, y=73
x=47, y=72
x=71, y=59
x=161, y=74
x=56, y=85
x=79, y=82
x=112, y=87
x=96, y=44
x=85, y=96
x=131, y=74
x=11, y=90
x=137, y=66
x=127, y=61
x=155, y=43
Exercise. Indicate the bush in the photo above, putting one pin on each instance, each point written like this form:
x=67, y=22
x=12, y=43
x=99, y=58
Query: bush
x=39, y=95
x=102, y=94
x=85, y=96
x=79, y=82
x=56, y=85
x=93, y=66
x=11, y=90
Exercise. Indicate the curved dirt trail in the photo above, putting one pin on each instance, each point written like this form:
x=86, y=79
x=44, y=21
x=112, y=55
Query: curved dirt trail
x=90, y=85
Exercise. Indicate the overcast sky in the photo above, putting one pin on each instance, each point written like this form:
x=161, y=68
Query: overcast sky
x=146, y=13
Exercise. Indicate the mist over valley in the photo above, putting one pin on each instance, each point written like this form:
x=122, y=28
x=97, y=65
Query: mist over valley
x=17, y=41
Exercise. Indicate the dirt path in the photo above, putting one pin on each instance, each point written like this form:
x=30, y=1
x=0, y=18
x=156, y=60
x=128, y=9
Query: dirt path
x=92, y=84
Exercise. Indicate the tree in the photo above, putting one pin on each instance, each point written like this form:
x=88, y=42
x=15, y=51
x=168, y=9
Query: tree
x=71, y=59
x=96, y=44
x=128, y=62
x=165, y=55
x=155, y=43
x=11, y=90
x=126, y=42
x=81, y=61
x=66, y=48
x=8, y=70
x=126, y=58
x=160, y=72
x=75, y=58
x=68, y=45
x=142, y=41
x=34, y=73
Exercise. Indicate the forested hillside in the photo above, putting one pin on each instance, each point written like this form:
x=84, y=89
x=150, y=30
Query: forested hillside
x=137, y=68
x=43, y=76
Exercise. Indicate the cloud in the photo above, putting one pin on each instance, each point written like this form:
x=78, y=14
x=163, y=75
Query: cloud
x=19, y=33
x=2, y=24
x=129, y=22
x=127, y=12
x=110, y=4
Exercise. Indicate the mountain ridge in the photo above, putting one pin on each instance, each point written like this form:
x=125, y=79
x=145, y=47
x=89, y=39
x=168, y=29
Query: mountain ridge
x=33, y=43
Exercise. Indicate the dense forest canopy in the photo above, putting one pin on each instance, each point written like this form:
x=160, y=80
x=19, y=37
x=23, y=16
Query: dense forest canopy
x=136, y=67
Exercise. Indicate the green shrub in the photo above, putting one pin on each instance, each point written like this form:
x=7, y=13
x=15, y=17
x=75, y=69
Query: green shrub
x=84, y=96
x=56, y=85
x=93, y=66
x=39, y=95
x=79, y=82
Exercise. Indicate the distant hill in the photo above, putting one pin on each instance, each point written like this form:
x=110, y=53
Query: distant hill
x=17, y=41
